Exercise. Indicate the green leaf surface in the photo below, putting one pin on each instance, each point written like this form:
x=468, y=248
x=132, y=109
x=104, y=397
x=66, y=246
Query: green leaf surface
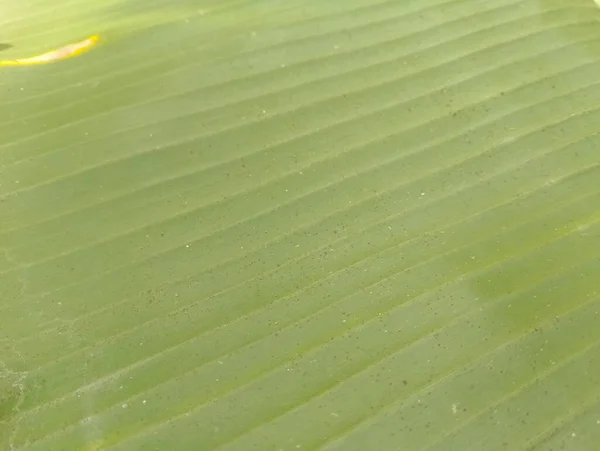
x=264, y=225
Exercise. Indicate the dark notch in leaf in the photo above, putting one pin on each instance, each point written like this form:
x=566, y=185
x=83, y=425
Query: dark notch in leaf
x=5, y=46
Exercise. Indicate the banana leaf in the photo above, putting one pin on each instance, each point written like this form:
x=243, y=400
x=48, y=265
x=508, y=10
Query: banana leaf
x=295, y=225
